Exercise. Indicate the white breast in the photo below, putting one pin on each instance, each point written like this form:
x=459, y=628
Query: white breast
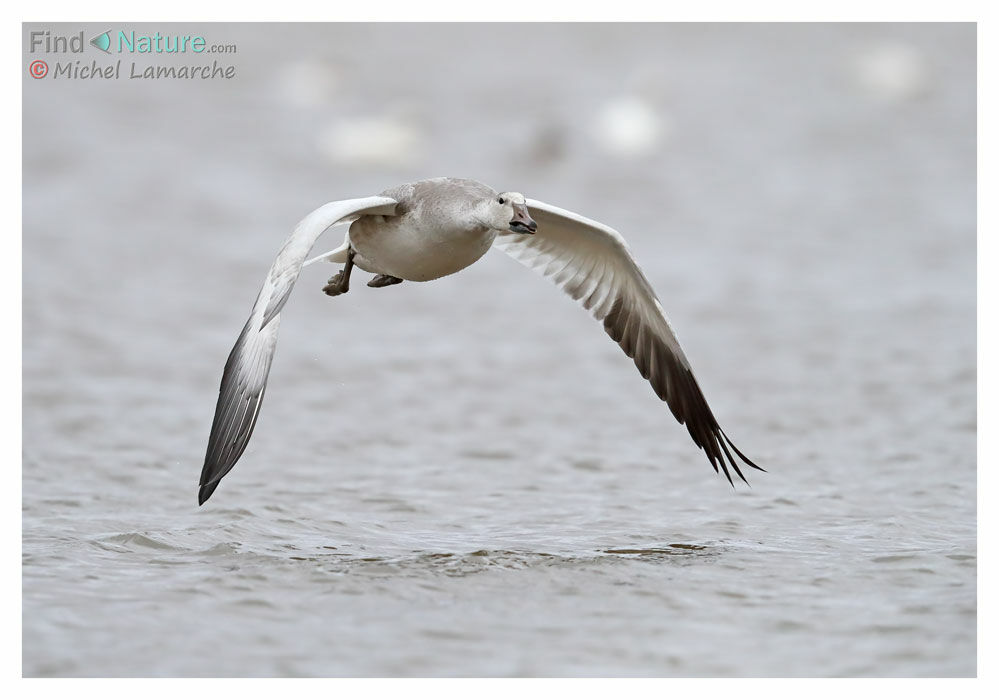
x=401, y=247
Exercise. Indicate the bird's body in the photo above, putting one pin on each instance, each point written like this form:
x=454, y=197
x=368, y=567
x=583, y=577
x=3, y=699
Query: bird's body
x=427, y=238
x=425, y=230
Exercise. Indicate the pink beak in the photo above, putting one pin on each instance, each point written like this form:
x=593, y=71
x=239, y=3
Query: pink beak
x=522, y=221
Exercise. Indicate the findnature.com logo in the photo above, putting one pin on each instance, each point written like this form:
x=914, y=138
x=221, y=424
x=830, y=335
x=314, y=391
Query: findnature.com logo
x=111, y=42
x=102, y=42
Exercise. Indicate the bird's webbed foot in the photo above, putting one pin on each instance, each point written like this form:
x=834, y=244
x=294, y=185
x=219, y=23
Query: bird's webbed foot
x=383, y=281
x=340, y=282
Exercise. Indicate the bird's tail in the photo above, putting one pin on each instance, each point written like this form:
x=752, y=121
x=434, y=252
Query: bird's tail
x=339, y=255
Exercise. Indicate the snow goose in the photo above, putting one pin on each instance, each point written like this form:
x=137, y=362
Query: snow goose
x=425, y=230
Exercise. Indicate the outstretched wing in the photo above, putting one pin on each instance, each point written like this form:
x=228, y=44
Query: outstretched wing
x=592, y=264
x=245, y=375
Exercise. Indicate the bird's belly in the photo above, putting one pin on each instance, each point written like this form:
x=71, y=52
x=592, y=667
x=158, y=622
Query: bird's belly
x=416, y=255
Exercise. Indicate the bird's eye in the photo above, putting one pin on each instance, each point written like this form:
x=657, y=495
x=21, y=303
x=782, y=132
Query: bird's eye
x=501, y=200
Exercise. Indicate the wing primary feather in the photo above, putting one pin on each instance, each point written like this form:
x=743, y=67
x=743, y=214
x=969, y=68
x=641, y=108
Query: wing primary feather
x=244, y=379
x=743, y=457
x=237, y=409
x=591, y=263
x=735, y=465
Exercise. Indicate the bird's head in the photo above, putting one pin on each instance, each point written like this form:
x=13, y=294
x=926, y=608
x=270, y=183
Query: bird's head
x=508, y=212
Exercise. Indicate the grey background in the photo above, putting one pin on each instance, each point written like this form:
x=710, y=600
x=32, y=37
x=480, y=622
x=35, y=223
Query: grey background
x=467, y=477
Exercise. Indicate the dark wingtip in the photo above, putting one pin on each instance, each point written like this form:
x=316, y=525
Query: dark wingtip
x=729, y=477
x=206, y=491
x=744, y=458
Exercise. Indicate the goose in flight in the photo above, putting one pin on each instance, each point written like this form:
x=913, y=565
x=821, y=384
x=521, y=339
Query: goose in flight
x=425, y=230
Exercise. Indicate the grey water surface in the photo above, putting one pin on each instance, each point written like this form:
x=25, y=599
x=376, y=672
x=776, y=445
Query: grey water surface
x=467, y=477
